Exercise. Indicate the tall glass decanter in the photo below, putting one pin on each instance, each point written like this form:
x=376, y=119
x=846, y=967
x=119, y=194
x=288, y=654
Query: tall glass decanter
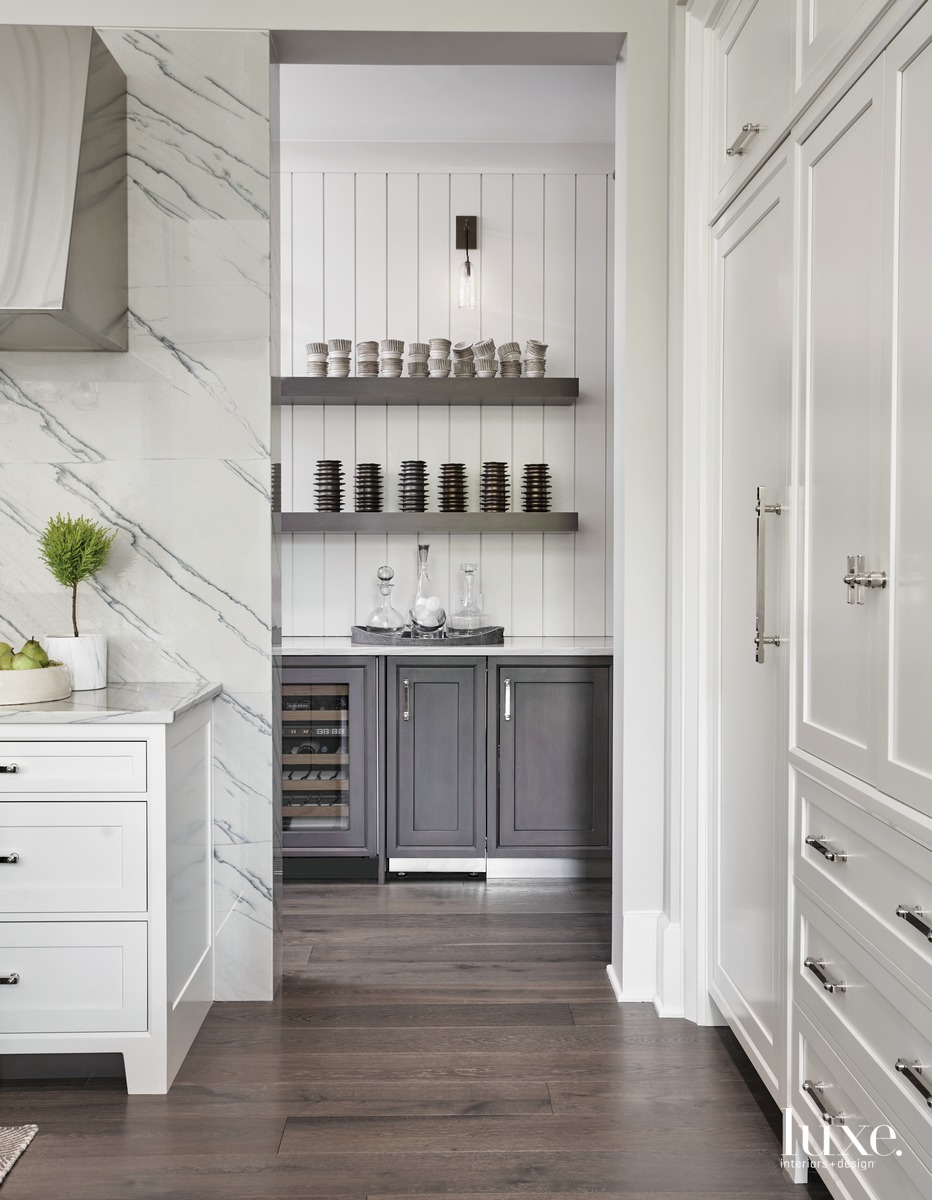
x=385, y=618
x=466, y=610
x=427, y=615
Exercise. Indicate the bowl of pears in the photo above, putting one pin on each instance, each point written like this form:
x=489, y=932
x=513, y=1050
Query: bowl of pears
x=29, y=676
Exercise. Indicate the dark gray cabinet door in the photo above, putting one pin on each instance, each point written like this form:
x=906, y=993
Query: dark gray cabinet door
x=435, y=757
x=554, y=758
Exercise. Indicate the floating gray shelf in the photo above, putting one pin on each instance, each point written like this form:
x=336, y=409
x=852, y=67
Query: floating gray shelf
x=431, y=522
x=300, y=389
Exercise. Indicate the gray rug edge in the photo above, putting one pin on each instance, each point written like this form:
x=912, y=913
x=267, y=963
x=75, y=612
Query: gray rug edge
x=13, y=1141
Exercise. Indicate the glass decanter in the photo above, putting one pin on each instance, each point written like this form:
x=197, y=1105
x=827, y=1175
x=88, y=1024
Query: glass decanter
x=466, y=613
x=385, y=618
x=427, y=615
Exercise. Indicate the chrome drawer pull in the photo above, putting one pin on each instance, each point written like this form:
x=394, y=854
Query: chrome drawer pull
x=406, y=702
x=507, y=699
x=818, y=843
x=9, y=858
x=912, y=1071
x=736, y=149
x=817, y=967
x=913, y=917
x=9, y=769
x=11, y=979
x=815, y=1091
x=761, y=640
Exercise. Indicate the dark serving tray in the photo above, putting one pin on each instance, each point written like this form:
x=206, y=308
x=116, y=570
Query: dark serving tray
x=491, y=635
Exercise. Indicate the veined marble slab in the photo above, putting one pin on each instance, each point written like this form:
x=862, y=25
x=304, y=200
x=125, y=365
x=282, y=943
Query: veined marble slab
x=535, y=647
x=119, y=704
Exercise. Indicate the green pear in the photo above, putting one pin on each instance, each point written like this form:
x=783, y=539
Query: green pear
x=35, y=651
x=5, y=648
x=22, y=662
x=6, y=661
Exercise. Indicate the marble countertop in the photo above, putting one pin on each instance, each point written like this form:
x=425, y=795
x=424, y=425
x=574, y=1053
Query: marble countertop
x=531, y=646
x=120, y=703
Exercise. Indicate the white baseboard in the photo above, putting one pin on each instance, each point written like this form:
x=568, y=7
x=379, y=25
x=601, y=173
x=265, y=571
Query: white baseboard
x=436, y=865
x=670, y=1000
x=621, y=996
x=548, y=868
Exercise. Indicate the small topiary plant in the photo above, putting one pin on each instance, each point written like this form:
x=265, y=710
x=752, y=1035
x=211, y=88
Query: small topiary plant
x=74, y=548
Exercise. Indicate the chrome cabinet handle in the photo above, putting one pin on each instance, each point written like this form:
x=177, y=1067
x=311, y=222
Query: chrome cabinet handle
x=9, y=858
x=760, y=639
x=913, y=917
x=815, y=1091
x=913, y=1072
x=817, y=967
x=9, y=769
x=12, y=978
x=736, y=149
x=819, y=843
x=406, y=703
x=507, y=699
x=859, y=577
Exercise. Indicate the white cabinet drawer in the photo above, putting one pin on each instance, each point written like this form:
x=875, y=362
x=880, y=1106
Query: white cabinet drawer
x=896, y=1170
x=63, y=766
x=882, y=1021
x=754, y=86
x=73, y=977
x=72, y=857
x=881, y=871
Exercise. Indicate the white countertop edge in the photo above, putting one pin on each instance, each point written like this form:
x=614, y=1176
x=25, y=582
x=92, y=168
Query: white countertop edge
x=118, y=704
x=535, y=647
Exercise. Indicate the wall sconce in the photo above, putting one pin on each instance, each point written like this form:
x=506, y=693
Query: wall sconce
x=466, y=228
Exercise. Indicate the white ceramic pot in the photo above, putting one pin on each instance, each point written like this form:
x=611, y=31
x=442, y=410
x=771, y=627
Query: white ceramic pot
x=35, y=687
x=84, y=656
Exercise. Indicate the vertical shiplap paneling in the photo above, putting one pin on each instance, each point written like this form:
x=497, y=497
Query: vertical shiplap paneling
x=590, y=412
x=286, y=412
x=371, y=322
x=528, y=424
x=433, y=430
x=609, y=401
x=340, y=423
x=496, y=300
x=401, y=419
x=560, y=285
x=465, y=326
x=307, y=290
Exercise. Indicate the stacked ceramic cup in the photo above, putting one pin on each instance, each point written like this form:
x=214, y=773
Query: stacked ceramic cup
x=485, y=358
x=367, y=359
x=418, y=356
x=328, y=485
x=412, y=486
x=338, y=361
x=509, y=356
x=535, y=359
x=391, y=352
x=451, y=492
x=494, y=488
x=464, y=361
x=316, y=359
x=535, y=488
x=439, y=361
x=368, y=487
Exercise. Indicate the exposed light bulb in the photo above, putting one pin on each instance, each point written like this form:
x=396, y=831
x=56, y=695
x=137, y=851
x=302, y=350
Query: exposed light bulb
x=468, y=297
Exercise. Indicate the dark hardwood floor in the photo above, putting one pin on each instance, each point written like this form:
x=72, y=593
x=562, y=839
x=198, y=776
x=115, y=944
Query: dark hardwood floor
x=449, y=1039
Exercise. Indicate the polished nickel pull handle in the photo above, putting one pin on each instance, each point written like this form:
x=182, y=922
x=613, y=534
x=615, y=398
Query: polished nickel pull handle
x=736, y=149
x=818, y=843
x=760, y=639
x=817, y=967
x=11, y=979
x=9, y=769
x=406, y=703
x=913, y=917
x=815, y=1091
x=9, y=858
x=858, y=577
x=913, y=1072
x=507, y=699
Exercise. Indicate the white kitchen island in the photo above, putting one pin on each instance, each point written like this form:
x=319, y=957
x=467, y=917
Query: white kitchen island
x=106, y=923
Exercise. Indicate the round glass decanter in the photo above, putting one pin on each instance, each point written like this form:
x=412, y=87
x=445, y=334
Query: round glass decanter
x=466, y=613
x=385, y=618
x=427, y=615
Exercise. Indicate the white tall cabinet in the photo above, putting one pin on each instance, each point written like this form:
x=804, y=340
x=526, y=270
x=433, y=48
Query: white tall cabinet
x=817, y=253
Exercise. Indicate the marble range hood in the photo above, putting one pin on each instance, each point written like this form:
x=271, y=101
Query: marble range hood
x=63, y=229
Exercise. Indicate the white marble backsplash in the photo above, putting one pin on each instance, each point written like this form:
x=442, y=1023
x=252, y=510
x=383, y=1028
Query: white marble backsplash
x=170, y=445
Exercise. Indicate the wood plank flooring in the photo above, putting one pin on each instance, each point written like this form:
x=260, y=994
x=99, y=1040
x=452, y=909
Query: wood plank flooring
x=433, y=1041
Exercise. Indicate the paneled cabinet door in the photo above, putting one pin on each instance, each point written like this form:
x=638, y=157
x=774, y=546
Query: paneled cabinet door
x=435, y=769
x=554, y=759
x=752, y=385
